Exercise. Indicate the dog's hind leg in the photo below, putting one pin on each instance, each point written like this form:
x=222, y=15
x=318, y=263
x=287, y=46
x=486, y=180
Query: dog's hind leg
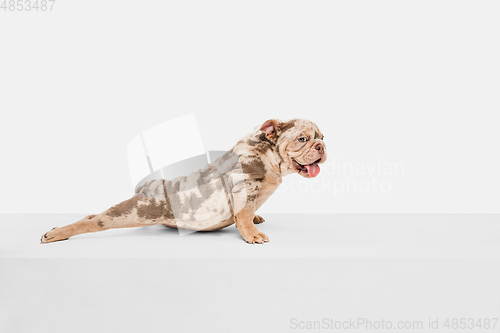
x=134, y=212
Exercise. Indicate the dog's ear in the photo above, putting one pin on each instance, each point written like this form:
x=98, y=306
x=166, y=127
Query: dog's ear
x=272, y=128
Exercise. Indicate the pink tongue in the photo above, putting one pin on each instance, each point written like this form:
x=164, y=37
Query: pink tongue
x=312, y=169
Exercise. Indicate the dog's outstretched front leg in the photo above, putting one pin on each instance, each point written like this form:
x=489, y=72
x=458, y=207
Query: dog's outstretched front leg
x=244, y=197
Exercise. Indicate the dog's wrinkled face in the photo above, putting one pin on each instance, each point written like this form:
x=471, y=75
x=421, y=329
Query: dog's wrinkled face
x=300, y=145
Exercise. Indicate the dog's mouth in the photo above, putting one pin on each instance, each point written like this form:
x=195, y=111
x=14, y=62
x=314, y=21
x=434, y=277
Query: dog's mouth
x=312, y=170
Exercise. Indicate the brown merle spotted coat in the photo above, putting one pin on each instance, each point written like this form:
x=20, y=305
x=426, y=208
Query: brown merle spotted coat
x=228, y=191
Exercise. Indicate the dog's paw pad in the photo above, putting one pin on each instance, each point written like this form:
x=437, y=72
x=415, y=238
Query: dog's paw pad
x=50, y=236
x=258, y=219
x=46, y=237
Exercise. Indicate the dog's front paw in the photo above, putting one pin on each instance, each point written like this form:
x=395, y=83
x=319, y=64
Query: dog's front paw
x=258, y=219
x=52, y=235
x=254, y=236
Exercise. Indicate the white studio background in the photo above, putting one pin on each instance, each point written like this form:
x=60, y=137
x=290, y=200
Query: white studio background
x=390, y=83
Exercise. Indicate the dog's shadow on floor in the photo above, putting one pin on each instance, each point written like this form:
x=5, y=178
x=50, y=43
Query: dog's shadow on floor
x=162, y=231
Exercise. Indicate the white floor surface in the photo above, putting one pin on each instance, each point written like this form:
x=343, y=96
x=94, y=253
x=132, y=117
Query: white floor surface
x=318, y=271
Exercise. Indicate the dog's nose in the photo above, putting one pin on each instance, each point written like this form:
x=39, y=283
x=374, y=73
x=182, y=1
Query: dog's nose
x=319, y=147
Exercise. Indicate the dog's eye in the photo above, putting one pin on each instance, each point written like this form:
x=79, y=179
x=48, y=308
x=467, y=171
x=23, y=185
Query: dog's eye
x=302, y=139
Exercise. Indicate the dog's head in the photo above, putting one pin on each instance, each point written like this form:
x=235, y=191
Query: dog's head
x=299, y=143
